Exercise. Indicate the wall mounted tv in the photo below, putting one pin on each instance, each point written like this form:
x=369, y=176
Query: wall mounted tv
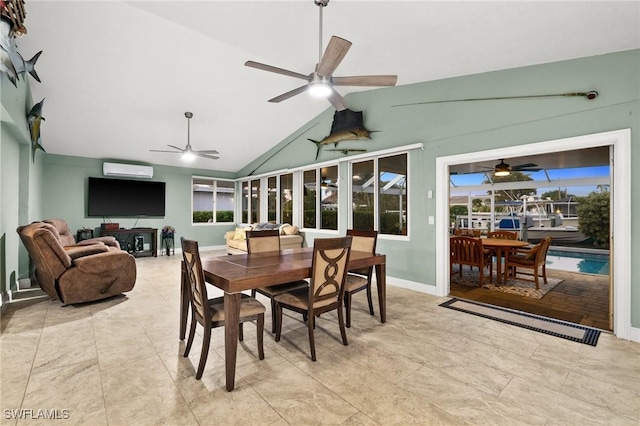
x=125, y=198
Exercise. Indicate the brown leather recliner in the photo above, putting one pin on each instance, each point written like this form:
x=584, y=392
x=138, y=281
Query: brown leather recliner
x=76, y=273
x=67, y=239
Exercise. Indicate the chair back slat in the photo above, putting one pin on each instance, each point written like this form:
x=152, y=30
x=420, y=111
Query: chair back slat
x=363, y=241
x=195, y=275
x=329, y=269
x=263, y=241
x=506, y=235
x=466, y=250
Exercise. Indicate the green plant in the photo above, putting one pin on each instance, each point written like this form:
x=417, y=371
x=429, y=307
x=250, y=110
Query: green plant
x=593, y=217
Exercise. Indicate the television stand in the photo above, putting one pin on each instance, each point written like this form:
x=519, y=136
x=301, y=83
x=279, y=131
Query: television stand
x=137, y=241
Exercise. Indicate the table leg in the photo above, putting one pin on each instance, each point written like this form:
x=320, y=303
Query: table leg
x=231, y=322
x=498, y=266
x=381, y=280
x=184, y=301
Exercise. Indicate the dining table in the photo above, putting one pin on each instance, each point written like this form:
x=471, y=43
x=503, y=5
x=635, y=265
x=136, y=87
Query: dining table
x=501, y=246
x=237, y=273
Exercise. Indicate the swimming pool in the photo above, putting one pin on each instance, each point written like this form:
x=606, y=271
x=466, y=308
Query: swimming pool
x=574, y=260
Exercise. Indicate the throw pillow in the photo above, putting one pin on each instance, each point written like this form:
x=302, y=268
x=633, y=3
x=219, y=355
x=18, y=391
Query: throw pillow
x=240, y=234
x=290, y=230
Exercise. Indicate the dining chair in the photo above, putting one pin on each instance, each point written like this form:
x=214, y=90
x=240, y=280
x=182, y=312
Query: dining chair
x=533, y=258
x=469, y=251
x=507, y=235
x=360, y=279
x=264, y=241
x=325, y=291
x=209, y=313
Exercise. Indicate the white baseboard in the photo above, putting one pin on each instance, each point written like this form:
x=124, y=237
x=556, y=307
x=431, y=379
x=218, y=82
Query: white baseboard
x=634, y=334
x=411, y=285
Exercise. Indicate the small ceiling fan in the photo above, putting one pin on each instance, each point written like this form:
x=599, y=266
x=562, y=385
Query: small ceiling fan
x=187, y=153
x=321, y=81
x=504, y=169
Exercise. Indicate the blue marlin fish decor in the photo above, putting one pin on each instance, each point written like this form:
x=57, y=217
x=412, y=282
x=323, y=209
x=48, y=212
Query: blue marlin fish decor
x=12, y=64
x=34, y=118
x=347, y=125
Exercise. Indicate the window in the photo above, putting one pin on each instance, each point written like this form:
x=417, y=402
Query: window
x=272, y=199
x=286, y=198
x=320, y=200
x=213, y=200
x=379, y=195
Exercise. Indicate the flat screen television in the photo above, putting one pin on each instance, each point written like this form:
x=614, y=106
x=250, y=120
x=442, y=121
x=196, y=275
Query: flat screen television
x=125, y=198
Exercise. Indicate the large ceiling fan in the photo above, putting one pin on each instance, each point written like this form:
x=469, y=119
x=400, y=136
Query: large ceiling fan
x=187, y=153
x=321, y=81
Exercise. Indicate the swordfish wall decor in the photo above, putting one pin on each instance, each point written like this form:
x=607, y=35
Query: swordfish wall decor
x=347, y=125
x=11, y=25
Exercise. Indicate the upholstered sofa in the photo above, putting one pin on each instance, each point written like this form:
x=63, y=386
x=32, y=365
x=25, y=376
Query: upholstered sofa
x=76, y=273
x=290, y=236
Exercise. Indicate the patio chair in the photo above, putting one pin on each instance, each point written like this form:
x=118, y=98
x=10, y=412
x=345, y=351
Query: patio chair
x=469, y=251
x=506, y=235
x=264, y=241
x=533, y=258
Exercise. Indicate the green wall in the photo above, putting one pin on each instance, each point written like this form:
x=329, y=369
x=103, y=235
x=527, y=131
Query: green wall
x=65, y=183
x=461, y=127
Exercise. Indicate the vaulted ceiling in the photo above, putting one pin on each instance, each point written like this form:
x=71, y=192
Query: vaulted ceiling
x=117, y=77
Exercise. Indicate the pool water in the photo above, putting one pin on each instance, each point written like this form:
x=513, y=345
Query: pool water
x=586, y=263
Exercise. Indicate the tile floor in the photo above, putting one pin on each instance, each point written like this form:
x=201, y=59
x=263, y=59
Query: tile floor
x=119, y=362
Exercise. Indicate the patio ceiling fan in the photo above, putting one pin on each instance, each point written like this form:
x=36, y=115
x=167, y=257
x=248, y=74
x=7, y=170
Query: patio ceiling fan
x=504, y=169
x=187, y=153
x=321, y=81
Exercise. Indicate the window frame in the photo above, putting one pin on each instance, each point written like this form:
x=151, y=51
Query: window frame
x=214, y=181
x=317, y=168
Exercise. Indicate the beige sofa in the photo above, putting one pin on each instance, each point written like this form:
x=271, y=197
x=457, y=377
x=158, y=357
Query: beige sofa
x=290, y=237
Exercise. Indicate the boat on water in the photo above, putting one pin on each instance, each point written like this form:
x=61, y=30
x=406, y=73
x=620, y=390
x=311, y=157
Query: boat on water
x=532, y=217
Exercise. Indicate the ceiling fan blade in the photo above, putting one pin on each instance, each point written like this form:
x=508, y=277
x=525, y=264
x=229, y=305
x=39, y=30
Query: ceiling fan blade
x=211, y=157
x=175, y=147
x=276, y=70
x=289, y=94
x=207, y=151
x=525, y=165
x=525, y=169
x=333, y=55
x=338, y=102
x=366, y=80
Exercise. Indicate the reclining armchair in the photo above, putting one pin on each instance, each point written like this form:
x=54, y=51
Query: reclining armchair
x=67, y=239
x=76, y=273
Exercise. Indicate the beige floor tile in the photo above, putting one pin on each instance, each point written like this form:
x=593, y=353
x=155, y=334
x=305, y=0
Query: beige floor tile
x=119, y=362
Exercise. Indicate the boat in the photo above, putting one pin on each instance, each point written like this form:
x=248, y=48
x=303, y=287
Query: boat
x=534, y=218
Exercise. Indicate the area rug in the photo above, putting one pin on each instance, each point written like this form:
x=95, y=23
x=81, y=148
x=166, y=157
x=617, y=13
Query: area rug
x=516, y=285
x=566, y=330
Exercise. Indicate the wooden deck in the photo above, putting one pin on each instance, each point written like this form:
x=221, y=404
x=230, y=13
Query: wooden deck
x=579, y=298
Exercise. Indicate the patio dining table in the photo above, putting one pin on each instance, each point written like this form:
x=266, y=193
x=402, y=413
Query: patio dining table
x=501, y=247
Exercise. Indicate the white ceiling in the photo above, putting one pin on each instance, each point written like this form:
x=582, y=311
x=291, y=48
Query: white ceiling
x=118, y=76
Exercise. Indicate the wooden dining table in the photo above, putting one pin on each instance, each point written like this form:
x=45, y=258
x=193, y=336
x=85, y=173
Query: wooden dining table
x=237, y=273
x=501, y=246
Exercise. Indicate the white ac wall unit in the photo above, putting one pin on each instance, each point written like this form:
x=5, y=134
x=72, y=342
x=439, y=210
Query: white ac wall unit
x=127, y=170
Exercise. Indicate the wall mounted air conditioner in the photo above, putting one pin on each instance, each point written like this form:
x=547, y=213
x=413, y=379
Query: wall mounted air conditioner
x=127, y=170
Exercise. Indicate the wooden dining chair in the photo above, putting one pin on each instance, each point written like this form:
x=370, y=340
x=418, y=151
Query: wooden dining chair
x=534, y=258
x=265, y=241
x=506, y=235
x=469, y=251
x=360, y=279
x=209, y=313
x=326, y=288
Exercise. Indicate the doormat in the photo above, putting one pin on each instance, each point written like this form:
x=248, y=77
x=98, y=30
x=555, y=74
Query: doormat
x=566, y=330
x=519, y=285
